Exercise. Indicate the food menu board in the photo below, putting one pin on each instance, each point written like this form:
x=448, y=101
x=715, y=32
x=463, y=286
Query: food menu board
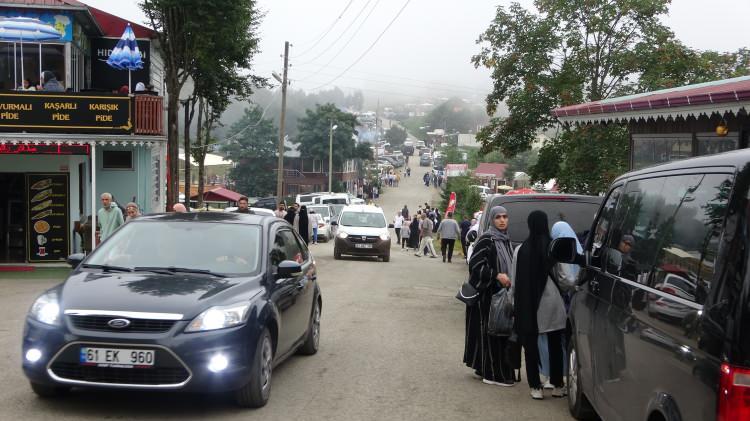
x=47, y=222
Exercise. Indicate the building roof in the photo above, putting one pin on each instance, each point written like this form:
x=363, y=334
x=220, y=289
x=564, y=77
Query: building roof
x=57, y=4
x=221, y=194
x=490, y=170
x=721, y=96
x=114, y=26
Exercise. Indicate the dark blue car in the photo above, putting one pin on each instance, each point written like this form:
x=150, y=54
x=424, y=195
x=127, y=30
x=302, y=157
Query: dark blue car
x=200, y=302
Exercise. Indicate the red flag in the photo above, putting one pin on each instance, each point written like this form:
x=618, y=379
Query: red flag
x=451, y=203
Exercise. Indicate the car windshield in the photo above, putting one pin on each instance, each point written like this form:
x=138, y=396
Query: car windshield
x=221, y=248
x=363, y=219
x=337, y=208
x=307, y=198
x=579, y=215
x=339, y=200
x=320, y=210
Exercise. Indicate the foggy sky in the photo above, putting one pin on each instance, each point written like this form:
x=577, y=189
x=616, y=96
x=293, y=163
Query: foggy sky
x=427, y=51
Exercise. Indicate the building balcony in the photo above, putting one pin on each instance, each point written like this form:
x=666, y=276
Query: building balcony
x=81, y=112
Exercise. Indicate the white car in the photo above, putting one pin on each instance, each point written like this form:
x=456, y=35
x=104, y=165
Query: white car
x=307, y=198
x=335, y=198
x=484, y=191
x=324, y=229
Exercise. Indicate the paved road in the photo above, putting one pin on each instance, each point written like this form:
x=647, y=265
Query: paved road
x=391, y=348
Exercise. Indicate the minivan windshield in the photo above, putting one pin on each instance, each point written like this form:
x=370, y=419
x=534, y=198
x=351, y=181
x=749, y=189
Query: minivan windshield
x=363, y=219
x=579, y=215
x=221, y=248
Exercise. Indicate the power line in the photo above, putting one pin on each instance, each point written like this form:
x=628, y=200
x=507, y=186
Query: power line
x=257, y=123
x=361, y=25
x=368, y=48
x=320, y=38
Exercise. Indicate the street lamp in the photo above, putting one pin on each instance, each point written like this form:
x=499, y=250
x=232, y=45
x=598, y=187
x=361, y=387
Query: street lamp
x=332, y=127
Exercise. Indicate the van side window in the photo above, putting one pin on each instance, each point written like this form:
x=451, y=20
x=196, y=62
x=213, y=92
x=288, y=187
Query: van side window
x=667, y=233
x=603, y=227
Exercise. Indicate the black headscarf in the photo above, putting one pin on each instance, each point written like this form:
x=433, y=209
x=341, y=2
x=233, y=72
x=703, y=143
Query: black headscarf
x=532, y=268
x=289, y=217
x=304, y=227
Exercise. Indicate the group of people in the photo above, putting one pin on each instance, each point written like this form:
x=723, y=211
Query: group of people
x=47, y=82
x=416, y=231
x=436, y=179
x=535, y=283
x=108, y=219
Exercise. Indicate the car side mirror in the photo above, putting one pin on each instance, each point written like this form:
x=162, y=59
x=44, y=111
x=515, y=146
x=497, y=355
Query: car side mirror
x=563, y=250
x=472, y=236
x=288, y=269
x=75, y=259
x=390, y=225
x=334, y=223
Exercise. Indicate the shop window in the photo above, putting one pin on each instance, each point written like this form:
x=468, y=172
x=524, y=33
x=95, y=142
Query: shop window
x=117, y=160
x=710, y=143
x=651, y=149
x=53, y=59
x=317, y=165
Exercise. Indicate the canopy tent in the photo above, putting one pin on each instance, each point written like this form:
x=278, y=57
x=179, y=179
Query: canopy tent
x=20, y=29
x=219, y=194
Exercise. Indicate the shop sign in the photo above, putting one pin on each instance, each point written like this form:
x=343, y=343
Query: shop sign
x=62, y=149
x=105, y=77
x=71, y=113
x=48, y=234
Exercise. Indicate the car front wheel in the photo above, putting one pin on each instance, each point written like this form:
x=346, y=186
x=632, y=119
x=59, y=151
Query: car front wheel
x=256, y=392
x=387, y=257
x=310, y=347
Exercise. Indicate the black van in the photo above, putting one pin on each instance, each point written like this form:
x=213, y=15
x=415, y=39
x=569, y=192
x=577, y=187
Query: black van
x=660, y=321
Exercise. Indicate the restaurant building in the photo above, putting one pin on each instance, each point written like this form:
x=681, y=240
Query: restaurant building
x=677, y=123
x=60, y=150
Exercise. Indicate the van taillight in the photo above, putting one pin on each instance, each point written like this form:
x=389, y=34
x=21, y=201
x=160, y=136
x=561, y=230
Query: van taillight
x=734, y=393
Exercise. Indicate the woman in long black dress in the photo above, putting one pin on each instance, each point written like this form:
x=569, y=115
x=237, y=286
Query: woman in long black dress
x=414, y=233
x=304, y=226
x=489, y=269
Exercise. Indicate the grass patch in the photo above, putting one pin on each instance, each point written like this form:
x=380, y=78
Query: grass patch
x=37, y=273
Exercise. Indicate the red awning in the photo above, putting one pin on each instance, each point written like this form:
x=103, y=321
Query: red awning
x=489, y=170
x=114, y=26
x=219, y=195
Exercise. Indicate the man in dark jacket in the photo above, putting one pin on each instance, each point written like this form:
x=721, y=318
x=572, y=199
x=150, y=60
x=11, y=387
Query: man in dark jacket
x=49, y=82
x=465, y=225
x=405, y=212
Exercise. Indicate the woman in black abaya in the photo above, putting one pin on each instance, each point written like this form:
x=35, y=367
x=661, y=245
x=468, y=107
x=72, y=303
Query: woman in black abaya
x=489, y=269
x=304, y=226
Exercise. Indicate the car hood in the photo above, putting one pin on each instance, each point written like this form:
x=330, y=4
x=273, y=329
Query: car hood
x=181, y=293
x=362, y=230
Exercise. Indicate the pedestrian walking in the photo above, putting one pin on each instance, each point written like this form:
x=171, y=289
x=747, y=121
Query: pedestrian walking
x=131, y=211
x=315, y=221
x=425, y=232
x=414, y=233
x=109, y=217
x=465, y=226
x=375, y=192
x=291, y=216
x=398, y=222
x=303, y=224
x=242, y=205
x=448, y=230
x=405, y=212
x=538, y=305
x=405, y=234
x=489, y=268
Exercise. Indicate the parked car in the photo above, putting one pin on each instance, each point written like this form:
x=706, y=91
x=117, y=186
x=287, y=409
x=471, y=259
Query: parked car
x=362, y=230
x=267, y=202
x=308, y=198
x=484, y=191
x=660, y=317
x=408, y=148
x=324, y=211
x=576, y=210
x=146, y=311
x=329, y=199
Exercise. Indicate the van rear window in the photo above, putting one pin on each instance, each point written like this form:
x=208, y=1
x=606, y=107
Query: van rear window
x=579, y=215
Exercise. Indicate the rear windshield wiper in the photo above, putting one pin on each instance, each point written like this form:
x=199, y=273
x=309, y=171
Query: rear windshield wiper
x=169, y=270
x=107, y=268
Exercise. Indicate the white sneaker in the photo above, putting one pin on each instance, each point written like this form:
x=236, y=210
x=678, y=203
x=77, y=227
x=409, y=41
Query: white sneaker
x=537, y=394
x=559, y=392
x=548, y=386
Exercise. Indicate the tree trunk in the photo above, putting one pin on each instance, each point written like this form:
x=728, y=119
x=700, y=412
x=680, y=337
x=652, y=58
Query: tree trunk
x=189, y=110
x=173, y=159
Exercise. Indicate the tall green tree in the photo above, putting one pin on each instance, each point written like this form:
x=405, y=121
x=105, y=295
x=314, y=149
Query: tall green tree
x=573, y=51
x=313, y=136
x=252, y=148
x=396, y=136
x=210, y=41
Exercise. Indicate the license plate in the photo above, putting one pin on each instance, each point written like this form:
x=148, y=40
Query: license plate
x=117, y=357
x=362, y=246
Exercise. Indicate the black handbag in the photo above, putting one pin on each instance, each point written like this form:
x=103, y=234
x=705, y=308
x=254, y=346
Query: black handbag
x=468, y=294
x=501, y=314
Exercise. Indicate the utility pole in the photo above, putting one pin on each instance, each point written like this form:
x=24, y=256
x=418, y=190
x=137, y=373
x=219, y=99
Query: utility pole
x=280, y=171
x=330, y=156
x=377, y=132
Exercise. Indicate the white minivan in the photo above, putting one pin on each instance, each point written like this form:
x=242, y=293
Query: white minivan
x=331, y=199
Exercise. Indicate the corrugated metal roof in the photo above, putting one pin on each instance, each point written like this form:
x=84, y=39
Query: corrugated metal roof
x=490, y=170
x=716, y=96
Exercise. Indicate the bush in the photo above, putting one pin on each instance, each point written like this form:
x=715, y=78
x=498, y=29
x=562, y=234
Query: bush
x=468, y=199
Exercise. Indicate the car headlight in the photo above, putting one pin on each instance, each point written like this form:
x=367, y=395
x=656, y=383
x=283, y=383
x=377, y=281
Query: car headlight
x=219, y=317
x=46, y=308
x=385, y=237
x=342, y=234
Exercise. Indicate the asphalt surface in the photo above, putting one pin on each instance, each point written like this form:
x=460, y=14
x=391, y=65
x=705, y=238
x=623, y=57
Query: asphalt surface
x=391, y=348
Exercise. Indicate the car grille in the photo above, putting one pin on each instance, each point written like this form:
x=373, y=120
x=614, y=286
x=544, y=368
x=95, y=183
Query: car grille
x=364, y=238
x=146, y=376
x=136, y=325
x=168, y=370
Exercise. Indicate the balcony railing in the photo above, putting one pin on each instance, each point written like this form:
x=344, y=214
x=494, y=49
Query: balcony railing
x=81, y=112
x=149, y=115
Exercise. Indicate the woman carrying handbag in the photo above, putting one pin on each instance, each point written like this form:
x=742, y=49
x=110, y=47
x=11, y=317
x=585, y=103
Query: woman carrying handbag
x=489, y=270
